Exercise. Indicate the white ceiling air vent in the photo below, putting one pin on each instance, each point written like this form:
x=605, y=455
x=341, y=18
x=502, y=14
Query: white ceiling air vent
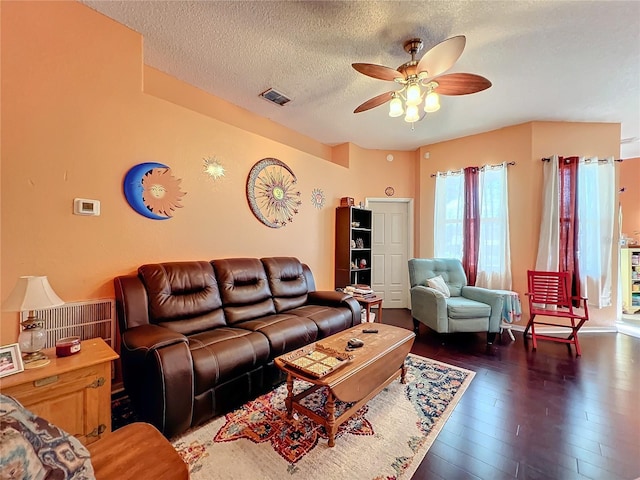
x=275, y=97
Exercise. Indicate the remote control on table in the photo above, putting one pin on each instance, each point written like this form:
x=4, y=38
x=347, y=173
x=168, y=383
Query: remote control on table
x=370, y=330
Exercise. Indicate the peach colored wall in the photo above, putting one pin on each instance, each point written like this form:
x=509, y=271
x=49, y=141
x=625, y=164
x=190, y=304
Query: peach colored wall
x=160, y=85
x=630, y=198
x=525, y=144
x=75, y=119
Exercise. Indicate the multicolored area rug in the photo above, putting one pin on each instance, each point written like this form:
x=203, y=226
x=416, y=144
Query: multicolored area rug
x=386, y=439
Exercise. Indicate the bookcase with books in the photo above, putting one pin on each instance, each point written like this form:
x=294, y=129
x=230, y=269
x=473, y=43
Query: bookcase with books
x=353, y=246
x=631, y=279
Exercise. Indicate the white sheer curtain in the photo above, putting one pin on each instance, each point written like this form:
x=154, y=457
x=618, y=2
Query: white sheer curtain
x=448, y=215
x=596, y=211
x=549, y=241
x=494, y=252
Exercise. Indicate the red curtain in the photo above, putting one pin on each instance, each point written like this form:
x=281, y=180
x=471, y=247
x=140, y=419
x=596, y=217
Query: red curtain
x=471, y=228
x=568, y=180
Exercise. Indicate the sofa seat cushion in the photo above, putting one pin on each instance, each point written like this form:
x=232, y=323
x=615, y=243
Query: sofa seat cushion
x=329, y=320
x=460, y=307
x=285, y=332
x=224, y=353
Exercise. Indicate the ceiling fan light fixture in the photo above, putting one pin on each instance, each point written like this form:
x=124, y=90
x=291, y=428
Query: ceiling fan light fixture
x=412, y=114
x=395, y=107
x=432, y=102
x=419, y=80
x=414, y=95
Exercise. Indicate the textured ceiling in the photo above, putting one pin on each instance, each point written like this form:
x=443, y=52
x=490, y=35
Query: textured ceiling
x=548, y=60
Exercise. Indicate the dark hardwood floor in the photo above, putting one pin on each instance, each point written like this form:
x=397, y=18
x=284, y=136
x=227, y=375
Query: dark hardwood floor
x=536, y=415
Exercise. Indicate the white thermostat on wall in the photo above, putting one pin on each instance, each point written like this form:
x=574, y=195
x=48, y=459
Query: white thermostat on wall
x=84, y=206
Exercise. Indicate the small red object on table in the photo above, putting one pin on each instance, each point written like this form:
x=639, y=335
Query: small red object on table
x=67, y=346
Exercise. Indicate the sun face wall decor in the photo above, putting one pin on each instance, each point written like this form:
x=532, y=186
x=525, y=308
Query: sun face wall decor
x=318, y=198
x=272, y=194
x=152, y=190
x=214, y=168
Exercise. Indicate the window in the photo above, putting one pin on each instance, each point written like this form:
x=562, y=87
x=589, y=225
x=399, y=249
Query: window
x=494, y=262
x=448, y=218
x=494, y=253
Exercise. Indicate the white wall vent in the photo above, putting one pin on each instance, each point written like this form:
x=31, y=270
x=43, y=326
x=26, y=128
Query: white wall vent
x=275, y=97
x=86, y=319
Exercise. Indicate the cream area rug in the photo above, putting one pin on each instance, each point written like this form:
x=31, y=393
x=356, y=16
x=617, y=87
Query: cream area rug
x=386, y=439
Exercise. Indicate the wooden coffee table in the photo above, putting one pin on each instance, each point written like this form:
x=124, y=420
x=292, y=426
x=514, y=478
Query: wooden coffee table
x=374, y=366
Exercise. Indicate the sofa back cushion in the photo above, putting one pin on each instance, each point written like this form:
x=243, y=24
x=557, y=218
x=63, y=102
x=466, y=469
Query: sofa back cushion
x=287, y=282
x=244, y=289
x=183, y=296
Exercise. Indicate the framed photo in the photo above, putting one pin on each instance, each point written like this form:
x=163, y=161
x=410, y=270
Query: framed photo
x=10, y=360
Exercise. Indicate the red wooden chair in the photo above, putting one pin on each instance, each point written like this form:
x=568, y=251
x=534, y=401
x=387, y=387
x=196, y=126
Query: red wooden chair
x=553, y=289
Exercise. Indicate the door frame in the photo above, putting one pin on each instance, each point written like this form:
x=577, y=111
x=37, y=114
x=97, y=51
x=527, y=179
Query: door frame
x=410, y=227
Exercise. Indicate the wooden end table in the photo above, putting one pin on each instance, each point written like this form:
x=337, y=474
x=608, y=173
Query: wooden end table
x=374, y=366
x=367, y=303
x=73, y=393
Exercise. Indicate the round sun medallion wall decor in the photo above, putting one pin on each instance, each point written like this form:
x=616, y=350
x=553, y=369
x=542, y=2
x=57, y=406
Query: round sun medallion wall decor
x=272, y=193
x=389, y=191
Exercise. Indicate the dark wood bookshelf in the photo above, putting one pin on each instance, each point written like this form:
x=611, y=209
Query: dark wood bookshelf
x=353, y=224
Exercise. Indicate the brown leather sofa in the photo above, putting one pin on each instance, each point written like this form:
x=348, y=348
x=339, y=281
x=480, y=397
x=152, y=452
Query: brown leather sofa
x=199, y=338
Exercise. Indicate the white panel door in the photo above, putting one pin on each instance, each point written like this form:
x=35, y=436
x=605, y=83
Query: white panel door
x=389, y=252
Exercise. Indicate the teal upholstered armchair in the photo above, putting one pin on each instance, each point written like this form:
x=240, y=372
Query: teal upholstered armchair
x=468, y=309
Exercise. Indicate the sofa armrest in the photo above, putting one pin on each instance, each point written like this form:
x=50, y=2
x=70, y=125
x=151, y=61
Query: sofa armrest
x=328, y=297
x=429, y=306
x=158, y=376
x=333, y=298
x=150, y=337
x=492, y=298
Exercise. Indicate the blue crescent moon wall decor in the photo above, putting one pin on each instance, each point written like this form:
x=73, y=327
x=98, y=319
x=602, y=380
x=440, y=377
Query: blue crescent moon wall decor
x=134, y=190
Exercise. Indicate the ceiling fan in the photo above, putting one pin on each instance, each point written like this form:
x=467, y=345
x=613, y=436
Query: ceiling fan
x=422, y=80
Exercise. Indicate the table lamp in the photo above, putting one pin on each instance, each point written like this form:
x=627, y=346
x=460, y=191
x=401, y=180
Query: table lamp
x=32, y=293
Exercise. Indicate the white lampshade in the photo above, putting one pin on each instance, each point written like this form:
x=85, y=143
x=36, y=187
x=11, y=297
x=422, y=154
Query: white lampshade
x=395, y=107
x=413, y=94
x=412, y=114
x=31, y=293
x=432, y=102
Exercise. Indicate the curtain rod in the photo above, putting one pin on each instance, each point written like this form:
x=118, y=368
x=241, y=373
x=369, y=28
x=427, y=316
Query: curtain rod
x=599, y=160
x=494, y=165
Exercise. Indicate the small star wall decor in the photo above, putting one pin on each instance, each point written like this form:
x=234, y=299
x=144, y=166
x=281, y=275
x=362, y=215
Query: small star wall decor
x=317, y=198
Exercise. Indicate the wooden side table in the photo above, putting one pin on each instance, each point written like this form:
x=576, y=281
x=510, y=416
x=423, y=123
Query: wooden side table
x=367, y=303
x=73, y=393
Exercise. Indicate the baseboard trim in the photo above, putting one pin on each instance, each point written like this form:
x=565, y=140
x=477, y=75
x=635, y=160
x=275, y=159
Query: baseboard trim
x=629, y=330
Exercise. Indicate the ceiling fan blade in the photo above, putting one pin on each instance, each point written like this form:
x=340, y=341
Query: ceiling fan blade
x=377, y=71
x=442, y=57
x=374, y=102
x=461, y=84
